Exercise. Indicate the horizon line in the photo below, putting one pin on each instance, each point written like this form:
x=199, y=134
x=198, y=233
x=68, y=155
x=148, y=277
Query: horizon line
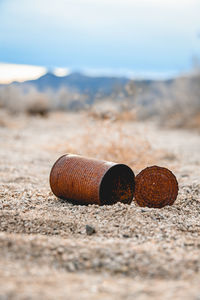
x=10, y=73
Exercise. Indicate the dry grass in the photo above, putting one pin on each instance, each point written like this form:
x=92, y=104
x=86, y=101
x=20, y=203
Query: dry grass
x=112, y=141
x=194, y=122
x=29, y=100
x=108, y=109
x=175, y=104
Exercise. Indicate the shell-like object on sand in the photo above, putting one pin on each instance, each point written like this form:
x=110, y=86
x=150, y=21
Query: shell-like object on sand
x=155, y=187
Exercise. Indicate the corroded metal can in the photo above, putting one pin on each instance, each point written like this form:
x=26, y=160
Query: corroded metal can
x=83, y=180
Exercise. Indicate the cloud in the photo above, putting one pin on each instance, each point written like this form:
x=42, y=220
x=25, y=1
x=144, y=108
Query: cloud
x=61, y=71
x=14, y=72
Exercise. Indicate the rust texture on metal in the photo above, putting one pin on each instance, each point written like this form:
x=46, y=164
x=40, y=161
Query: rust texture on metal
x=83, y=180
x=155, y=187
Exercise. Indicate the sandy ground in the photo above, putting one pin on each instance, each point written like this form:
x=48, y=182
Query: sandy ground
x=136, y=253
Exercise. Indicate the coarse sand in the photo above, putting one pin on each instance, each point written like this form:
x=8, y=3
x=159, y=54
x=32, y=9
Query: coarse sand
x=133, y=252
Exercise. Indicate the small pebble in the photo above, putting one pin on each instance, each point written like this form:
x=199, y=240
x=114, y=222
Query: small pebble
x=90, y=230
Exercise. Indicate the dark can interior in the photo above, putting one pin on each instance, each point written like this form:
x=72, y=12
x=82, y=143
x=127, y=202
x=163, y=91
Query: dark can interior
x=117, y=185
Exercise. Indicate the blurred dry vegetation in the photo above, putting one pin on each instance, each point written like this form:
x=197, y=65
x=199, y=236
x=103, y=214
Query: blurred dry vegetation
x=172, y=103
x=111, y=141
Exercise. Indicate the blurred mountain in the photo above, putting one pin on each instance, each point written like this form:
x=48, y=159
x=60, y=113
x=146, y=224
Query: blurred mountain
x=77, y=82
x=147, y=91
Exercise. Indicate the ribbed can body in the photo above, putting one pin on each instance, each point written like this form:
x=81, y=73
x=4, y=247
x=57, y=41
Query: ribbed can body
x=84, y=180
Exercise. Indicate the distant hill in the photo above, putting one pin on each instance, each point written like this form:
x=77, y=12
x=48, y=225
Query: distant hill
x=77, y=82
x=98, y=86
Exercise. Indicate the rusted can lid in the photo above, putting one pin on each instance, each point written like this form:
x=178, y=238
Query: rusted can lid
x=155, y=187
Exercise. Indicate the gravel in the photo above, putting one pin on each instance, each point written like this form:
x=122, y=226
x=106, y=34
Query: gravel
x=51, y=249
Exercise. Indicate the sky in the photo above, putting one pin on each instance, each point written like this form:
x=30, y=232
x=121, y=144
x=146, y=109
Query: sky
x=145, y=38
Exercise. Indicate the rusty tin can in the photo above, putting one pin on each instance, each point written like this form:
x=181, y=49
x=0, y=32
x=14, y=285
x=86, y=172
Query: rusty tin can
x=83, y=180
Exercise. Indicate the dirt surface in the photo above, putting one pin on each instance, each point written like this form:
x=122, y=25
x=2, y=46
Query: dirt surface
x=134, y=253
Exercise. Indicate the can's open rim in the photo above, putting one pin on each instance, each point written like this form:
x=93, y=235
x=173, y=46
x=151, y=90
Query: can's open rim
x=117, y=185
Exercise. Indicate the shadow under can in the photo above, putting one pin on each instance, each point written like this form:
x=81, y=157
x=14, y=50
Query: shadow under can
x=83, y=180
